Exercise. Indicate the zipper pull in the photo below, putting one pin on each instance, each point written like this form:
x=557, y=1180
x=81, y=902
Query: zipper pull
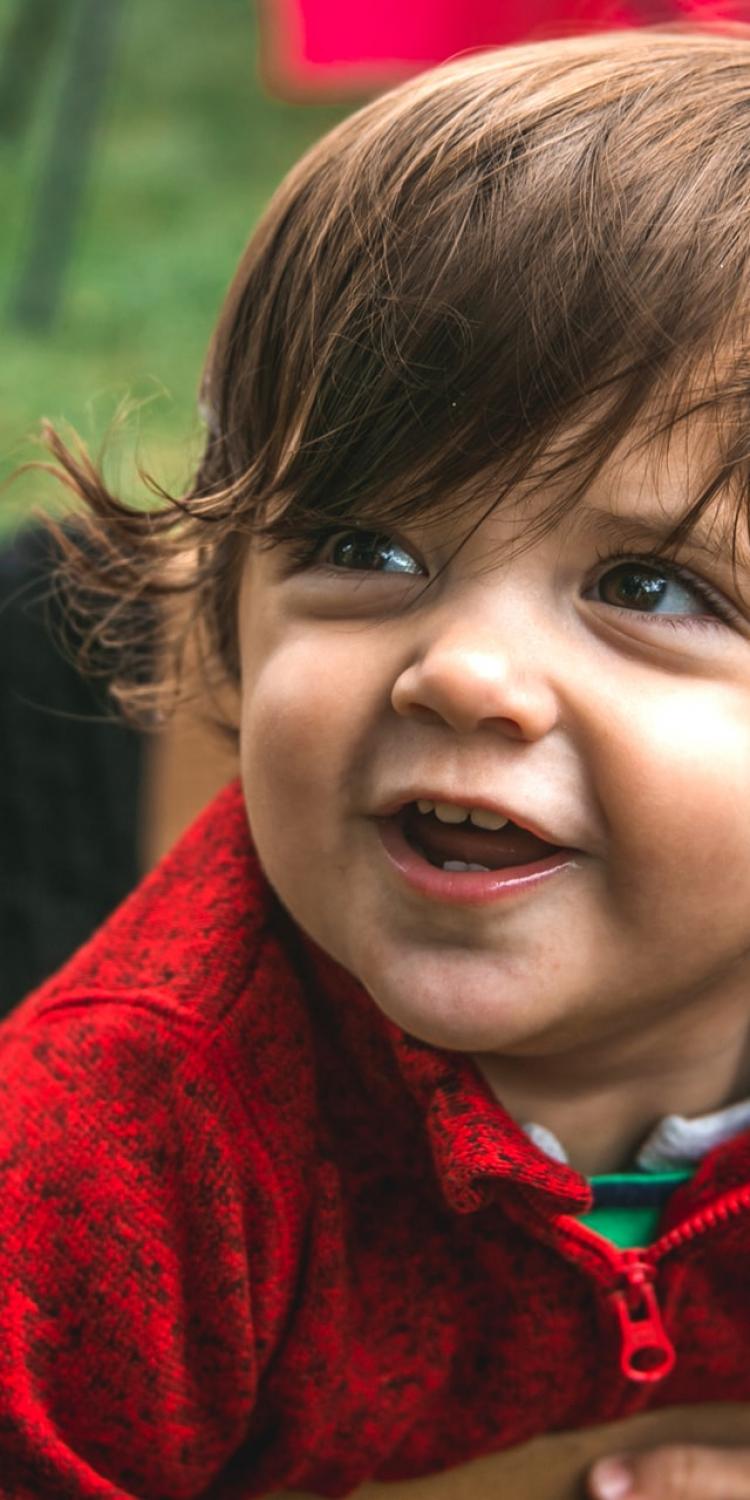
x=646, y=1351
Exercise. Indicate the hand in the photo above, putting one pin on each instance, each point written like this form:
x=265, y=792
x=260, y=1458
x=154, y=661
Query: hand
x=678, y=1471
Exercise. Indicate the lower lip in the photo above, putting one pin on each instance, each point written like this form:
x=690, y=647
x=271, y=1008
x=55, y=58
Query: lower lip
x=468, y=887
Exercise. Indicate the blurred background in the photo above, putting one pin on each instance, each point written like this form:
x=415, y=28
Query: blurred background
x=137, y=148
x=139, y=143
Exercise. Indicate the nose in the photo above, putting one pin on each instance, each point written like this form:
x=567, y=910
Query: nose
x=468, y=682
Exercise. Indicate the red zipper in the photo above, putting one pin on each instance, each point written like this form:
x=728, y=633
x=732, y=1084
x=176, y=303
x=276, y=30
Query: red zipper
x=646, y=1350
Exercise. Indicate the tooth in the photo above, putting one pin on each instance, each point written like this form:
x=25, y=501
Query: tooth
x=424, y=806
x=458, y=864
x=483, y=818
x=447, y=813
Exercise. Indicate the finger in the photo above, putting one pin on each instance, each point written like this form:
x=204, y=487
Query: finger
x=677, y=1472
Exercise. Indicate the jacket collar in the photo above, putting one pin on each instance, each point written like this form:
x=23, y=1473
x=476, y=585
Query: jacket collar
x=476, y=1147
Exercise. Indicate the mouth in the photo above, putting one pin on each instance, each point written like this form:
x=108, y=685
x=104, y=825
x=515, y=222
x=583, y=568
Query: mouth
x=461, y=864
x=465, y=845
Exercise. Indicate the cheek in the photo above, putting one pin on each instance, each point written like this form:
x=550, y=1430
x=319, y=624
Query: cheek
x=303, y=713
x=288, y=723
x=299, y=733
x=679, y=787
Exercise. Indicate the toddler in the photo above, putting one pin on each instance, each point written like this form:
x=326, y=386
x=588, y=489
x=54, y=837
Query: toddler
x=401, y=1114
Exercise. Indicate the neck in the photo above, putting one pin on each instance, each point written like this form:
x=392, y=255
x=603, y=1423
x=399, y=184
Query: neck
x=602, y=1107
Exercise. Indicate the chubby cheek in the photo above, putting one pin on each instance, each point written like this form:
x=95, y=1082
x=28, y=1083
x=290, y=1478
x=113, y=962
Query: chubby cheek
x=677, y=793
x=300, y=725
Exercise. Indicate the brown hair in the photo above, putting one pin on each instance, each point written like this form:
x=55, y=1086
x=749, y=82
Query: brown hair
x=532, y=244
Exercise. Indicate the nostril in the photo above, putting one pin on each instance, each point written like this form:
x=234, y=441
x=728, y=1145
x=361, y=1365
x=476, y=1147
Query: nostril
x=425, y=715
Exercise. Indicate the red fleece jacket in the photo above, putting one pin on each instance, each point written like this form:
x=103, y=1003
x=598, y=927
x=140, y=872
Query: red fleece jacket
x=254, y=1236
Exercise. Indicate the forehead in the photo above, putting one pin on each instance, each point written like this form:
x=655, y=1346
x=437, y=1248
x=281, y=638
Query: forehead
x=676, y=481
x=656, y=481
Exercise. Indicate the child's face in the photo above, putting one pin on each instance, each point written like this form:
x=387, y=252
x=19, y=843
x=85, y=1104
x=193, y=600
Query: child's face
x=531, y=682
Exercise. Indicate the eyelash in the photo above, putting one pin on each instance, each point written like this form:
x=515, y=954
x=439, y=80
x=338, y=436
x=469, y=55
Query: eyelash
x=721, y=609
x=304, y=552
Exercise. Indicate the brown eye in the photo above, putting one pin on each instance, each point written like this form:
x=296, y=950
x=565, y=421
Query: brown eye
x=650, y=590
x=370, y=551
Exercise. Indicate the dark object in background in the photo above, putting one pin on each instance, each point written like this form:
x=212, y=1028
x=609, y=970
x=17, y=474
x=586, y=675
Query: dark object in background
x=28, y=45
x=89, y=52
x=69, y=782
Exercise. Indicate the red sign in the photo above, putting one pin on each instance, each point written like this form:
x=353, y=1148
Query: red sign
x=359, y=46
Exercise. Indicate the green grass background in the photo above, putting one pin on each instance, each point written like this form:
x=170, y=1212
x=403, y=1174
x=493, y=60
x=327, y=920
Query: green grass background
x=190, y=148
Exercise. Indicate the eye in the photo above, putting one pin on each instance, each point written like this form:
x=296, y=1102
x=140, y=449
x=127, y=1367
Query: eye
x=370, y=552
x=657, y=589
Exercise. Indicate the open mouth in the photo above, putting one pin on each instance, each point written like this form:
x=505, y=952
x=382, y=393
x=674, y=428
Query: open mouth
x=463, y=846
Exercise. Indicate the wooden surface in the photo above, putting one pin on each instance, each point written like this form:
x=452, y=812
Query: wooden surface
x=554, y=1467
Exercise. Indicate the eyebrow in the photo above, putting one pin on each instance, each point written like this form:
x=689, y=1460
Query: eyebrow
x=635, y=527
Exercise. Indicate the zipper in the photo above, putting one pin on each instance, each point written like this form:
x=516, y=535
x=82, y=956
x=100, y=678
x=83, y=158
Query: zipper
x=647, y=1353
x=646, y=1350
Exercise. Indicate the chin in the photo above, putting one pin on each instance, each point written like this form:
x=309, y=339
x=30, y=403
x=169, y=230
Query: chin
x=433, y=1013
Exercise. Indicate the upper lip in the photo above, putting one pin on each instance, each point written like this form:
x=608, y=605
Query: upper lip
x=395, y=805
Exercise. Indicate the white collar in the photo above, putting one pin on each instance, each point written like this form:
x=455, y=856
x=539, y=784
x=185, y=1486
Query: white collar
x=674, y=1142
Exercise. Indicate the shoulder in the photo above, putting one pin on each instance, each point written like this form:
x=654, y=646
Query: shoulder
x=139, y=1211
x=188, y=940
x=171, y=1061
x=189, y=999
